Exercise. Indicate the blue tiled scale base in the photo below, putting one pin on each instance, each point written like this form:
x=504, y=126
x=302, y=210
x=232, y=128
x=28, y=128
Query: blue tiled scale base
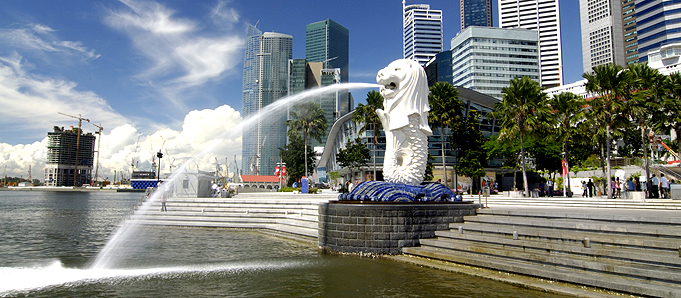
x=380, y=191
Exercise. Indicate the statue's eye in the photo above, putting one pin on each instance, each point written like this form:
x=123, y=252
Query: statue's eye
x=397, y=69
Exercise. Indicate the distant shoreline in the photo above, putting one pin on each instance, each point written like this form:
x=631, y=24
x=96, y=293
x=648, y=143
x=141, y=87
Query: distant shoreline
x=68, y=189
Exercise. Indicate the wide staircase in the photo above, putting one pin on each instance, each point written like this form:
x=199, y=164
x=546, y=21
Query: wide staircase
x=630, y=251
x=296, y=215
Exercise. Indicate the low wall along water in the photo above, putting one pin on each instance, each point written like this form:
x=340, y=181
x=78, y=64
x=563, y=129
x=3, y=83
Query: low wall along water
x=384, y=228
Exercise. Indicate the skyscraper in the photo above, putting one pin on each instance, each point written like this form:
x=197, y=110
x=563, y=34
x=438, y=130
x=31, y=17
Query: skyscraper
x=485, y=59
x=602, y=37
x=475, y=13
x=422, y=32
x=327, y=41
x=542, y=16
x=326, y=52
x=265, y=80
x=657, y=25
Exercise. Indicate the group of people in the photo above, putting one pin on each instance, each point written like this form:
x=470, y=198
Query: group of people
x=546, y=189
x=656, y=188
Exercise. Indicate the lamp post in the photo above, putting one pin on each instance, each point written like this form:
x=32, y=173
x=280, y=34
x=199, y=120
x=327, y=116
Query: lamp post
x=159, y=155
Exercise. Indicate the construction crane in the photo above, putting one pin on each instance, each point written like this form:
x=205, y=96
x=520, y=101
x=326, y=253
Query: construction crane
x=99, y=141
x=80, y=120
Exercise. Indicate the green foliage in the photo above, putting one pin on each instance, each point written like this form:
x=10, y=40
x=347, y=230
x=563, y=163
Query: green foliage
x=472, y=155
x=307, y=120
x=429, y=168
x=293, y=154
x=355, y=155
x=445, y=110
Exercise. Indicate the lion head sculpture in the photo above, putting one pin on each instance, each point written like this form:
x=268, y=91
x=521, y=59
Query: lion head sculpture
x=405, y=92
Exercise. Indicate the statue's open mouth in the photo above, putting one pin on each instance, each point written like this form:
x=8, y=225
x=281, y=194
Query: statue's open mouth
x=391, y=86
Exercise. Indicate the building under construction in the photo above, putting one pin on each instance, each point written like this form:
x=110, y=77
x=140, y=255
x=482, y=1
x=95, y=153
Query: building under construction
x=69, y=159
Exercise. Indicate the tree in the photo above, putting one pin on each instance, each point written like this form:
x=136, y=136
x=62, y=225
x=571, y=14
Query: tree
x=522, y=111
x=669, y=116
x=428, y=176
x=567, y=112
x=367, y=114
x=445, y=108
x=612, y=85
x=293, y=154
x=355, y=155
x=307, y=119
x=472, y=157
x=649, y=89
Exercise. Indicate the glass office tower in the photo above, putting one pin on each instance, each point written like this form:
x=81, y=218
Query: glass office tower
x=265, y=80
x=475, y=13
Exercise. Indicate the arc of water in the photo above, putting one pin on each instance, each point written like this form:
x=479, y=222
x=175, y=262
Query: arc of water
x=106, y=257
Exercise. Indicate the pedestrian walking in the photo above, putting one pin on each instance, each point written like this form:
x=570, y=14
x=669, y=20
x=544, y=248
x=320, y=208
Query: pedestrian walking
x=654, y=187
x=585, y=193
x=590, y=185
x=664, y=187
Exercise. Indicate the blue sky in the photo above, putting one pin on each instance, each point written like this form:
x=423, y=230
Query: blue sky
x=171, y=70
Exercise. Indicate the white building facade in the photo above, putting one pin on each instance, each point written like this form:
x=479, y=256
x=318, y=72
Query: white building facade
x=602, y=33
x=544, y=17
x=421, y=32
x=485, y=59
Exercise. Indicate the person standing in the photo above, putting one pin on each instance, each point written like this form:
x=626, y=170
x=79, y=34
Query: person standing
x=618, y=188
x=654, y=187
x=585, y=193
x=590, y=186
x=549, y=184
x=664, y=187
x=164, y=198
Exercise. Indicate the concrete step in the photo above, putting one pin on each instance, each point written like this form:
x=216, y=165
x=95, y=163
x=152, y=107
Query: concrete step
x=591, y=225
x=541, y=257
x=594, y=237
x=607, y=281
x=660, y=217
x=628, y=254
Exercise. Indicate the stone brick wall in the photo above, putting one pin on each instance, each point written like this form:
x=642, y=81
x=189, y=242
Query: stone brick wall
x=373, y=228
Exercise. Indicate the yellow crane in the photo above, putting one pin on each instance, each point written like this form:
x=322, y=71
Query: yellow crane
x=99, y=141
x=80, y=120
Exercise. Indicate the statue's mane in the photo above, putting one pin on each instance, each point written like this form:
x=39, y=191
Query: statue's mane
x=411, y=98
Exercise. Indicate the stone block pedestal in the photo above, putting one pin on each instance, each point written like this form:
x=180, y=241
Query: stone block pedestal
x=384, y=228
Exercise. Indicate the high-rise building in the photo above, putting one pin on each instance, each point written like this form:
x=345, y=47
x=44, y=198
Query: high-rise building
x=542, y=16
x=475, y=13
x=422, y=32
x=265, y=80
x=328, y=42
x=326, y=51
x=66, y=154
x=602, y=37
x=306, y=75
x=485, y=59
x=657, y=25
x=630, y=31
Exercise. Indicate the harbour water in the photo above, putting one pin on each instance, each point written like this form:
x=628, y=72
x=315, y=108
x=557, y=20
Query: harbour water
x=48, y=241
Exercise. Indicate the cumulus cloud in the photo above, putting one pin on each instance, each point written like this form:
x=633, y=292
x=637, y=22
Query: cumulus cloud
x=206, y=135
x=30, y=103
x=41, y=38
x=181, y=53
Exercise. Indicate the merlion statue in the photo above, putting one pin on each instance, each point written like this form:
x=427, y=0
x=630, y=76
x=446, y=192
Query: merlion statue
x=405, y=121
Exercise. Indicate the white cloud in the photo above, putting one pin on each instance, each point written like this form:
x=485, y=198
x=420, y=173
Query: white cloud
x=205, y=135
x=41, y=38
x=30, y=103
x=182, y=54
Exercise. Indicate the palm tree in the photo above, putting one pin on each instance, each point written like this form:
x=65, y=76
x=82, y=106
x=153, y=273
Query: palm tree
x=522, y=110
x=669, y=116
x=445, y=108
x=367, y=114
x=612, y=85
x=649, y=88
x=568, y=112
x=307, y=119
